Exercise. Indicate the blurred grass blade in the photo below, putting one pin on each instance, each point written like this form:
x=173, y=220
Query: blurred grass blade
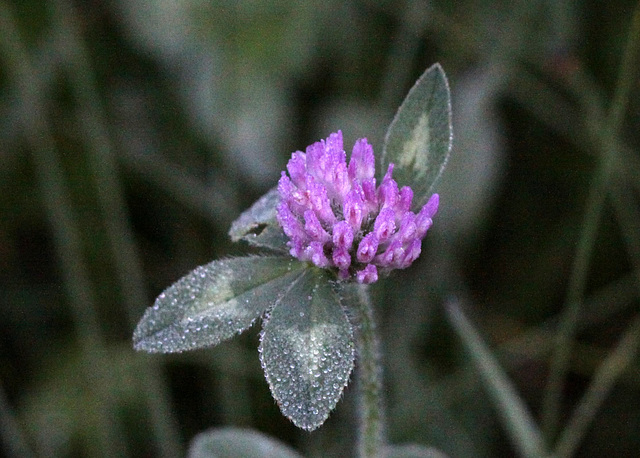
x=608, y=145
x=604, y=380
x=11, y=433
x=419, y=138
x=235, y=442
x=517, y=420
x=628, y=214
x=626, y=77
x=23, y=77
x=110, y=194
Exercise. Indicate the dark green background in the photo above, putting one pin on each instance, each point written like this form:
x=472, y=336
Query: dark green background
x=184, y=112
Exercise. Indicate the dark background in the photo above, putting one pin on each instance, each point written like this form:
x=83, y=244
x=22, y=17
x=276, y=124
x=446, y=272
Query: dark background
x=132, y=133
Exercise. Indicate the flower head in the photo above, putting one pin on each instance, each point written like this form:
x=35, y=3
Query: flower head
x=336, y=217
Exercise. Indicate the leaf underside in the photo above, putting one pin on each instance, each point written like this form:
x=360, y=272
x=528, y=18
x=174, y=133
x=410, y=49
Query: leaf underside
x=258, y=225
x=418, y=140
x=306, y=350
x=214, y=302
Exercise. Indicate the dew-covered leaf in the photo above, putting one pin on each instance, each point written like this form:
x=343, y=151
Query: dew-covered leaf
x=214, y=302
x=238, y=442
x=306, y=349
x=418, y=140
x=258, y=225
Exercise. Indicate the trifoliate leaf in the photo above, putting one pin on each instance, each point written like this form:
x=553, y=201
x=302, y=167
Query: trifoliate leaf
x=237, y=442
x=418, y=140
x=258, y=225
x=214, y=302
x=306, y=350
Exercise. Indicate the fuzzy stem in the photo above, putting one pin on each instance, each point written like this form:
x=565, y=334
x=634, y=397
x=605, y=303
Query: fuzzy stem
x=369, y=377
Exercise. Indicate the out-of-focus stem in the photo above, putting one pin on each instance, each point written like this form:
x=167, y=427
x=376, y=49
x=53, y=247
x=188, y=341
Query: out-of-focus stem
x=50, y=177
x=516, y=416
x=597, y=192
x=11, y=434
x=605, y=378
x=112, y=205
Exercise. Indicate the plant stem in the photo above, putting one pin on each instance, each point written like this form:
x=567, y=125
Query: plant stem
x=603, y=381
x=573, y=305
x=369, y=377
x=626, y=77
x=11, y=433
x=515, y=415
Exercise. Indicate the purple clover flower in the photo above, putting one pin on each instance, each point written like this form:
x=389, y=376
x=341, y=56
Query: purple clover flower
x=336, y=217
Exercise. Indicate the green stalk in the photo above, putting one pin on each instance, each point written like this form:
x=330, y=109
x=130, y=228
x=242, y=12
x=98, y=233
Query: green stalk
x=628, y=216
x=515, y=415
x=573, y=304
x=369, y=376
x=603, y=382
x=11, y=434
x=595, y=200
x=536, y=343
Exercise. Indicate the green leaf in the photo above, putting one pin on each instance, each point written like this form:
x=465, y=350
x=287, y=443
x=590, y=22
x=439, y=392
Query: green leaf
x=418, y=140
x=517, y=419
x=306, y=350
x=258, y=225
x=214, y=302
x=236, y=442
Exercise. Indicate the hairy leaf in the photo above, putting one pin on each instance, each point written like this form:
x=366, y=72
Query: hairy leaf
x=306, y=350
x=418, y=140
x=214, y=302
x=235, y=442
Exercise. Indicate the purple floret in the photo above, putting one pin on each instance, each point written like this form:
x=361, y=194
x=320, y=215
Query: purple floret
x=336, y=217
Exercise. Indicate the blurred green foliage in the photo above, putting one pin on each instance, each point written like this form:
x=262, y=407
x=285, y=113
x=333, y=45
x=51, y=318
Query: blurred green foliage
x=133, y=132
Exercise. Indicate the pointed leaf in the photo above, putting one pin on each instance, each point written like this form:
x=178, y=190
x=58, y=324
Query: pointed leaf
x=306, y=350
x=214, y=302
x=258, y=225
x=418, y=140
x=235, y=442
